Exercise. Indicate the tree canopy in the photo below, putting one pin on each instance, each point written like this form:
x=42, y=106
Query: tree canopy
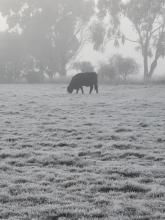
x=118, y=68
x=147, y=18
x=46, y=35
x=49, y=29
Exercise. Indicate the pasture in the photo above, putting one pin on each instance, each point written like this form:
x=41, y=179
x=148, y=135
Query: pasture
x=99, y=156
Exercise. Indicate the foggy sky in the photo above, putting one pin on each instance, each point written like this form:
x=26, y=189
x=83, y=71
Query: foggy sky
x=3, y=25
x=88, y=54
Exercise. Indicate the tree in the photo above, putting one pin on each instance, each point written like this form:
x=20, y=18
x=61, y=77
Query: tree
x=148, y=21
x=118, y=68
x=107, y=72
x=49, y=28
x=125, y=66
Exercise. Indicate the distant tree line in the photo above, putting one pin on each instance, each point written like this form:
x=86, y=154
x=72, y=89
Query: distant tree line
x=44, y=37
x=117, y=69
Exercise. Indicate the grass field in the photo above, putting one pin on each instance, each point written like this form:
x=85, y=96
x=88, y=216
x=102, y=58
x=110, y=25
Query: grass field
x=82, y=157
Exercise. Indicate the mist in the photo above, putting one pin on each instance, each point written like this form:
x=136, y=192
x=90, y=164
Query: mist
x=42, y=42
x=82, y=126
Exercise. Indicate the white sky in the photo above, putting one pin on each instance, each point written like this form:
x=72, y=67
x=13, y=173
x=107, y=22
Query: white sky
x=3, y=25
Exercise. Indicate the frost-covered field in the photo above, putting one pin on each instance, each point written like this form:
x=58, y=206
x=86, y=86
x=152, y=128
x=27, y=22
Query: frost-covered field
x=82, y=156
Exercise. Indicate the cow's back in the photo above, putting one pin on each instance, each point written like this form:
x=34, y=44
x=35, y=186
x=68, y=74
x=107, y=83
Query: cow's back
x=85, y=79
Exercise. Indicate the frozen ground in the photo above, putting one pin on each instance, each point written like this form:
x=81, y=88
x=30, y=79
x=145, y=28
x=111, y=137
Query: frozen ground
x=82, y=157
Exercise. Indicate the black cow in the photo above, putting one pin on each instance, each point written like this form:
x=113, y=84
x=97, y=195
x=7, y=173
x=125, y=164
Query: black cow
x=88, y=79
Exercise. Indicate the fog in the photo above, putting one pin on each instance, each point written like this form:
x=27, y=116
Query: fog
x=82, y=126
x=42, y=42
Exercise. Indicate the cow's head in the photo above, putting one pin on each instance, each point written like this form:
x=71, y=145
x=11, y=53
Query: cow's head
x=70, y=89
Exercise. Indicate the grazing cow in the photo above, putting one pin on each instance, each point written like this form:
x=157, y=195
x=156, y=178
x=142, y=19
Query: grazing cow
x=88, y=79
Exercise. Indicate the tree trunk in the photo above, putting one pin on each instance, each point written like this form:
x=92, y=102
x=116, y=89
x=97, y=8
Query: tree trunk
x=145, y=62
x=152, y=69
x=154, y=63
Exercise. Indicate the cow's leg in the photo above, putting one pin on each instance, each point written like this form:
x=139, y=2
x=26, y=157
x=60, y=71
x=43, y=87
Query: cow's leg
x=82, y=90
x=96, y=88
x=91, y=88
x=77, y=90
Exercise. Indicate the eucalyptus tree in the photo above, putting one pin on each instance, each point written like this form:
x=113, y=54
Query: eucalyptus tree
x=50, y=28
x=147, y=18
